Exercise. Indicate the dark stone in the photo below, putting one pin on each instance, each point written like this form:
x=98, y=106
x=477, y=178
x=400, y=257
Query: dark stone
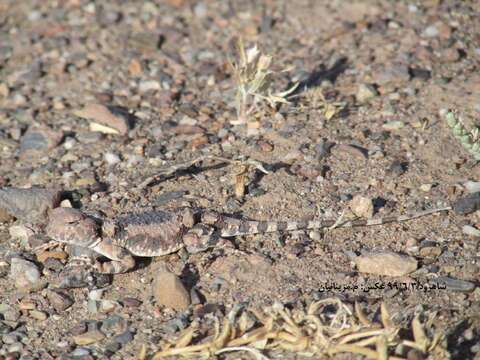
x=131, y=302
x=113, y=324
x=124, y=338
x=422, y=74
x=455, y=284
x=112, y=347
x=398, y=167
x=467, y=204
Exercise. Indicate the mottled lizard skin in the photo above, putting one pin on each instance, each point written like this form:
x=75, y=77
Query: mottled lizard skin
x=157, y=233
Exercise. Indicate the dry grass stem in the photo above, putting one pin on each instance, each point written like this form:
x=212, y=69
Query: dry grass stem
x=315, y=332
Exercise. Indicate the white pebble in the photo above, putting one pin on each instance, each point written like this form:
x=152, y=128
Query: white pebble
x=96, y=294
x=111, y=158
x=69, y=143
x=66, y=204
x=431, y=31
x=472, y=186
x=148, y=85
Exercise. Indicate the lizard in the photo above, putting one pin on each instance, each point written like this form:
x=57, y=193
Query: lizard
x=158, y=233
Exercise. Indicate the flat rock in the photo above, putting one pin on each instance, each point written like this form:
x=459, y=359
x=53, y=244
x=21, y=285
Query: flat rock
x=90, y=337
x=169, y=291
x=467, y=204
x=37, y=141
x=25, y=274
x=386, y=263
x=114, y=117
x=29, y=205
x=38, y=315
x=394, y=73
x=20, y=232
x=455, y=284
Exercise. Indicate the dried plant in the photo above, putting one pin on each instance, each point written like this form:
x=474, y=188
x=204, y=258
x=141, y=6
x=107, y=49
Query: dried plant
x=316, y=100
x=325, y=328
x=254, y=76
x=469, y=139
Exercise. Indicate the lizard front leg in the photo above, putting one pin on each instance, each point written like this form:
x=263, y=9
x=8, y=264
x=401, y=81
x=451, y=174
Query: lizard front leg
x=120, y=258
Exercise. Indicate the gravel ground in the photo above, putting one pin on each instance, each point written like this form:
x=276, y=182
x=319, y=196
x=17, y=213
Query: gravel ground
x=97, y=96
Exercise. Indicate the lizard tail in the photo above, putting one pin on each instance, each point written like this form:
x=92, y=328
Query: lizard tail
x=235, y=227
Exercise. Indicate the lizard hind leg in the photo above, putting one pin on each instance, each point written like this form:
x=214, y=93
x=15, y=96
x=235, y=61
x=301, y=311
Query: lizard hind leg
x=120, y=258
x=200, y=238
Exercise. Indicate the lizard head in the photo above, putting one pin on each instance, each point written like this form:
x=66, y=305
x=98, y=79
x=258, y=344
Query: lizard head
x=200, y=238
x=71, y=226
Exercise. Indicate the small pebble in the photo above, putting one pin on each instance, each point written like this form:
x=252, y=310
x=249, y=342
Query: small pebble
x=89, y=337
x=78, y=329
x=366, y=93
x=149, y=85
x=107, y=306
x=113, y=324
x=467, y=204
x=38, y=315
x=80, y=352
x=37, y=141
x=472, y=186
x=426, y=187
x=124, y=337
x=113, y=347
x=69, y=143
x=169, y=291
x=431, y=31
x=59, y=300
x=430, y=251
x=131, y=302
x=111, y=158
x=362, y=206
x=66, y=204
x=393, y=125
